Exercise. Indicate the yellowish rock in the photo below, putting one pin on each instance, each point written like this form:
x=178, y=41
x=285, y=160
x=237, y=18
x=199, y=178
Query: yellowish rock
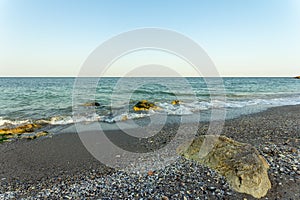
x=41, y=134
x=242, y=166
x=27, y=128
x=145, y=105
x=176, y=102
x=32, y=136
x=10, y=136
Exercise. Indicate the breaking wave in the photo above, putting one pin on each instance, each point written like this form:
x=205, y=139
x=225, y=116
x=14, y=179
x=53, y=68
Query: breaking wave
x=117, y=114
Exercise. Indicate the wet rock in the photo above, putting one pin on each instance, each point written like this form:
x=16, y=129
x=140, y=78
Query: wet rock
x=32, y=136
x=10, y=136
x=297, y=77
x=5, y=138
x=145, y=105
x=28, y=136
x=42, y=133
x=92, y=104
x=240, y=163
x=27, y=128
x=176, y=102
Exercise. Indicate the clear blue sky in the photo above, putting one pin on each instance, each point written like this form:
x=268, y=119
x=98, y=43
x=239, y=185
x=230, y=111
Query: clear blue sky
x=243, y=37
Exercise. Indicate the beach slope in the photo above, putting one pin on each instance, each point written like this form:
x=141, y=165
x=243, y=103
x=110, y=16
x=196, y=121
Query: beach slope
x=61, y=166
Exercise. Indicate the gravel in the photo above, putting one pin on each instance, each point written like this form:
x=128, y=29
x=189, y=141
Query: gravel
x=275, y=133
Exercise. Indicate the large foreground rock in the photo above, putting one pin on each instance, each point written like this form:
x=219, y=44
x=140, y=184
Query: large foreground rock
x=241, y=165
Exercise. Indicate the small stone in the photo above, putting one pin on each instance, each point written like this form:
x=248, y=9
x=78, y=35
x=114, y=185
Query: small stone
x=281, y=155
x=164, y=198
x=295, y=168
x=281, y=169
x=212, y=188
x=218, y=190
x=293, y=150
x=67, y=197
x=150, y=173
x=266, y=149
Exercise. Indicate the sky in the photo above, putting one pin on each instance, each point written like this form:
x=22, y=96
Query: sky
x=243, y=38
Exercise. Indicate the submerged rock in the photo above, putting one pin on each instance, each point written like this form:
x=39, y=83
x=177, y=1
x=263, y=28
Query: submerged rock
x=92, y=104
x=27, y=128
x=240, y=163
x=145, y=105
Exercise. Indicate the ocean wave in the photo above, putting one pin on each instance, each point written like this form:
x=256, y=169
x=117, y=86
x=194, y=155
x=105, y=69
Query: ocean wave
x=63, y=120
x=121, y=113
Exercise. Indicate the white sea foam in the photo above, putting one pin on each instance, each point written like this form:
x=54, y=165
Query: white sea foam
x=12, y=122
x=182, y=109
x=62, y=120
x=185, y=108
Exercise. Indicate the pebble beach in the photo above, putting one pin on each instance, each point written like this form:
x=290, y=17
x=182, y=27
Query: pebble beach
x=59, y=167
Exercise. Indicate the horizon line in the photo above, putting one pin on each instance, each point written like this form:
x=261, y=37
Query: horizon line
x=148, y=76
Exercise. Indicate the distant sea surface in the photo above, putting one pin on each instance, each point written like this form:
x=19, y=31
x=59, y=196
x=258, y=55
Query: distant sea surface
x=49, y=100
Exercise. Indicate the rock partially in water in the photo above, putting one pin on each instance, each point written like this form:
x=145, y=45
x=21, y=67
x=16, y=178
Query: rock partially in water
x=92, y=104
x=27, y=128
x=176, y=102
x=297, y=77
x=245, y=170
x=145, y=105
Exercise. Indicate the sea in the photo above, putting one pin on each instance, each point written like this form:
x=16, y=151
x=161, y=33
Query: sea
x=55, y=101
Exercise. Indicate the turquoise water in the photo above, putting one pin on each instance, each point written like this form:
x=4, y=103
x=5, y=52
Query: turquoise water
x=51, y=100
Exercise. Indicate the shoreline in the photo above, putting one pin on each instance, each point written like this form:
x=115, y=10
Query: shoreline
x=45, y=162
